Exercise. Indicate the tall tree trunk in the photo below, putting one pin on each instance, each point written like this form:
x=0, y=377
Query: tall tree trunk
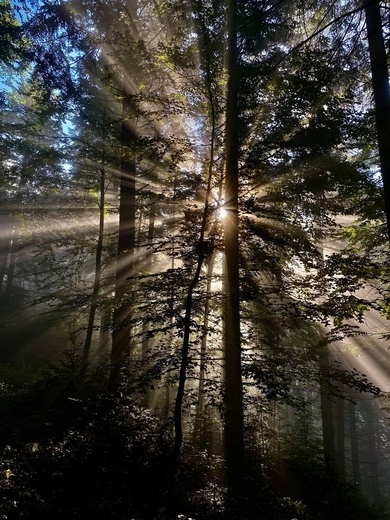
x=167, y=379
x=184, y=357
x=98, y=272
x=126, y=245
x=328, y=433
x=380, y=83
x=372, y=453
x=121, y=329
x=189, y=299
x=11, y=266
x=354, y=443
x=234, y=417
x=104, y=336
x=3, y=270
x=145, y=323
x=199, y=432
x=340, y=437
x=5, y=245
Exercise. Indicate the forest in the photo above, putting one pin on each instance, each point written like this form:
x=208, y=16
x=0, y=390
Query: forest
x=194, y=259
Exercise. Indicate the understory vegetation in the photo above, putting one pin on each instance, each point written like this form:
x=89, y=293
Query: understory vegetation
x=91, y=453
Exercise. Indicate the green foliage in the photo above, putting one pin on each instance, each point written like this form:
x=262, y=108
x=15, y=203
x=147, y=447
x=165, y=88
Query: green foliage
x=13, y=42
x=69, y=449
x=91, y=467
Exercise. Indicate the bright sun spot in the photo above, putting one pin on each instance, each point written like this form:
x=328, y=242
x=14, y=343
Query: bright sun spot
x=222, y=213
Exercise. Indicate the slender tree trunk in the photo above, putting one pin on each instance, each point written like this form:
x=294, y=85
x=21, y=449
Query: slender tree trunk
x=192, y=286
x=372, y=453
x=11, y=267
x=104, y=336
x=199, y=416
x=98, y=272
x=167, y=379
x=186, y=337
x=2, y=274
x=380, y=83
x=354, y=443
x=234, y=417
x=145, y=324
x=328, y=433
x=121, y=333
x=5, y=245
x=126, y=245
x=340, y=437
x=184, y=358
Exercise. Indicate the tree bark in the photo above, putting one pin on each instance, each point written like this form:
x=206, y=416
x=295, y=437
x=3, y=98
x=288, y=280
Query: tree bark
x=104, y=336
x=145, y=324
x=340, y=437
x=201, y=246
x=98, y=272
x=199, y=433
x=5, y=245
x=167, y=378
x=372, y=453
x=126, y=245
x=380, y=84
x=234, y=417
x=11, y=266
x=354, y=443
x=328, y=433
